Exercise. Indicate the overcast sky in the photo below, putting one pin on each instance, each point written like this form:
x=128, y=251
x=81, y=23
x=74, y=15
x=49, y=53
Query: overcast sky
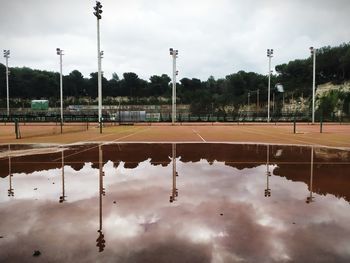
x=214, y=37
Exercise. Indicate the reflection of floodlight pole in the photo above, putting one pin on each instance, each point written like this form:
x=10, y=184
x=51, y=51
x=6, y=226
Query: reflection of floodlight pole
x=60, y=53
x=269, y=55
x=63, y=197
x=313, y=53
x=97, y=13
x=310, y=198
x=10, y=191
x=174, y=54
x=174, y=192
x=268, y=173
x=7, y=56
x=100, y=239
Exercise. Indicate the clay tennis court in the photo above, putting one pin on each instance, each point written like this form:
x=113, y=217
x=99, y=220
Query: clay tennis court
x=335, y=135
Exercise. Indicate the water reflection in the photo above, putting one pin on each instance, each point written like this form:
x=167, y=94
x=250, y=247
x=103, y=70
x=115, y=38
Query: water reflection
x=175, y=191
x=310, y=198
x=63, y=196
x=268, y=173
x=220, y=217
x=10, y=191
x=100, y=241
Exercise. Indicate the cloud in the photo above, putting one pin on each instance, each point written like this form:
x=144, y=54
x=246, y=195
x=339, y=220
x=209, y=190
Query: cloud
x=213, y=37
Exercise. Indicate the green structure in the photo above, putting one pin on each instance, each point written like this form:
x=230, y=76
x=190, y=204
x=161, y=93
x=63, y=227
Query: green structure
x=40, y=105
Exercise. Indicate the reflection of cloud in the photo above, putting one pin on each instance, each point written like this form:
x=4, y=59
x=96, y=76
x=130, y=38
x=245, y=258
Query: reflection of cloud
x=142, y=226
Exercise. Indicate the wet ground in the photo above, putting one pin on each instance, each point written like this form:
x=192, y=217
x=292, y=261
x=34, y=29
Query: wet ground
x=174, y=203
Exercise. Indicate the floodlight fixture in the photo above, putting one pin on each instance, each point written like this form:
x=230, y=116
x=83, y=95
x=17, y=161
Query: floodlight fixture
x=6, y=53
x=269, y=52
x=98, y=10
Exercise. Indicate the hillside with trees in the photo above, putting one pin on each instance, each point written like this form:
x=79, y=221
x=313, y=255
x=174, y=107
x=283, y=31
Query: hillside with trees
x=231, y=92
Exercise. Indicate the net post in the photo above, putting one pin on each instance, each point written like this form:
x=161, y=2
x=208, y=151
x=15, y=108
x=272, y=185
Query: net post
x=294, y=125
x=100, y=123
x=16, y=129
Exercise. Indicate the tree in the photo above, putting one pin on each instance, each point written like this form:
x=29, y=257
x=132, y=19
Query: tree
x=159, y=85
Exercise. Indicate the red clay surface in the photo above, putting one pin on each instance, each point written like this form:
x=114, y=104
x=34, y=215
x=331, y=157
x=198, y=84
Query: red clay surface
x=334, y=135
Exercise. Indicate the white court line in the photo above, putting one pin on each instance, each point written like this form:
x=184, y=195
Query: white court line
x=126, y=136
x=198, y=135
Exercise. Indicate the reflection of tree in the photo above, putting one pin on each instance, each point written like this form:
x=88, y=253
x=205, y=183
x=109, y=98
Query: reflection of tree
x=174, y=192
x=10, y=191
x=310, y=198
x=100, y=241
x=63, y=196
x=331, y=179
x=268, y=173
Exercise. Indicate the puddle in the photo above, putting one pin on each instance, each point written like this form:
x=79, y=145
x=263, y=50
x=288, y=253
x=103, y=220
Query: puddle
x=175, y=203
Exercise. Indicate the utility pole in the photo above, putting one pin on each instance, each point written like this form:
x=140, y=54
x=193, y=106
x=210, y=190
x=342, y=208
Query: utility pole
x=7, y=56
x=269, y=55
x=174, y=54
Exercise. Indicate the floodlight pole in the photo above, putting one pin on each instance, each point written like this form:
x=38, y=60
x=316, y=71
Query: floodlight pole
x=7, y=56
x=97, y=13
x=269, y=55
x=60, y=53
x=174, y=54
x=313, y=53
x=99, y=74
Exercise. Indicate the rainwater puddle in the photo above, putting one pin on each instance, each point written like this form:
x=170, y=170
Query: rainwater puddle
x=174, y=203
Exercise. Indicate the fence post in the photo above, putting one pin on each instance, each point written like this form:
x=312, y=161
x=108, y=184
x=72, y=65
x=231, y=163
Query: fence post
x=100, y=123
x=294, y=125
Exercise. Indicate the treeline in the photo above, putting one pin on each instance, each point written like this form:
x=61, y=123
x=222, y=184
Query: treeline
x=333, y=65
